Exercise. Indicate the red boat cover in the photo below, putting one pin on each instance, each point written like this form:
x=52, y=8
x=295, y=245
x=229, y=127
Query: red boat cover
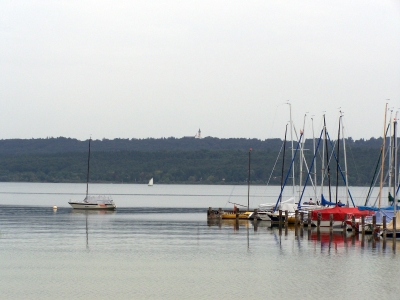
x=339, y=213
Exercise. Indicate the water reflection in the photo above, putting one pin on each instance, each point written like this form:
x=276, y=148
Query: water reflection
x=86, y=214
x=327, y=241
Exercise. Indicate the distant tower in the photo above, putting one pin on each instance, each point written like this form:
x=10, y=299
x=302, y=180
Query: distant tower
x=198, y=135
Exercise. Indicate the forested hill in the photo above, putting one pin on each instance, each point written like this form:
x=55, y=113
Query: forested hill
x=62, y=144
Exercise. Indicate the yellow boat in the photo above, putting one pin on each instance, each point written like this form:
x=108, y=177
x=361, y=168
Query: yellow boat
x=232, y=215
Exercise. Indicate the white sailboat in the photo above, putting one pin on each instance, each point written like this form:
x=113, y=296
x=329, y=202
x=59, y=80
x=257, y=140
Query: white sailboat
x=150, y=182
x=93, y=202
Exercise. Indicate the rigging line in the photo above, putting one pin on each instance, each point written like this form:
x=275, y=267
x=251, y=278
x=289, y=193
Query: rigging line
x=273, y=120
x=351, y=149
x=276, y=161
x=340, y=169
x=373, y=182
x=229, y=199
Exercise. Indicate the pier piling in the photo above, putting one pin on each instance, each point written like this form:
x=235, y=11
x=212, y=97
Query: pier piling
x=374, y=225
x=363, y=225
x=384, y=226
x=353, y=224
x=302, y=218
x=286, y=219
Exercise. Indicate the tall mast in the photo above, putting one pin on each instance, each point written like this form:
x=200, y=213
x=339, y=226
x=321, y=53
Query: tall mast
x=337, y=163
x=283, y=160
x=301, y=156
x=291, y=137
x=391, y=149
x=345, y=161
x=395, y=165
x=248, y=184
x=323, y=162
x=315, y=162
x=88, y=165
x=327, y=163
x=383, y=159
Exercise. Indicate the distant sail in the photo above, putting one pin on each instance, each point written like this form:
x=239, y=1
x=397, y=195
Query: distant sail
x=150, y=182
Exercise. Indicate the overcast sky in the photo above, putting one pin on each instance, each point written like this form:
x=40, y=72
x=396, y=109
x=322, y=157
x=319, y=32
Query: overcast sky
x=138, y=69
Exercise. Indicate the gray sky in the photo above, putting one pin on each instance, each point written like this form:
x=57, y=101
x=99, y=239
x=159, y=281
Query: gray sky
x=167, y=68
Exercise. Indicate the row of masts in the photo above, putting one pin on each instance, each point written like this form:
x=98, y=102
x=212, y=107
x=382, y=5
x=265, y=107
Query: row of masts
x=326, y=157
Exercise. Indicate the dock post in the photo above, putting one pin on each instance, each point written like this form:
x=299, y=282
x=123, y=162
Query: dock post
x=286, y=219
x=363, y=225
x=373, y=225
x=255, y=214
x=330, y=222
x=280, y=218
x=394, y=231
x=344, y=226
x=309, y=220
x=296, y=216
x=319, y=221
x=353, y=224
x=384, y=226
x=302, y=218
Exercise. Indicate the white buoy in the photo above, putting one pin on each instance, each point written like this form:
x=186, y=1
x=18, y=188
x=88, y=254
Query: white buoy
x=54, y=207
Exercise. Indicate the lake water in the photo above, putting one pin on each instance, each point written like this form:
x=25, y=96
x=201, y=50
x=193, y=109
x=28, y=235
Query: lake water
x=159, y=245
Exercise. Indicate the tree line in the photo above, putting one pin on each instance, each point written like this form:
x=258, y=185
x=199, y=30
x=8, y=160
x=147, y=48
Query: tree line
x=204, y=166
x=65, y=145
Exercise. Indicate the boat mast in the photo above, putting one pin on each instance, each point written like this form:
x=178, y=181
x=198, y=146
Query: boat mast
x=301, y=155
x=315, y=162
x=88, y=164
x=327, y=162
x=248, y=184
x=383, y=159
x=391, y=149
x=283, y=160
x=345, y=161
x=291, y=137
x=395, y=165
x=322, y=161
x=337, y=163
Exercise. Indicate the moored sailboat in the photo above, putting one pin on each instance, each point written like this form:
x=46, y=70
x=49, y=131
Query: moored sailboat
x=93, y=202
x=235, y=213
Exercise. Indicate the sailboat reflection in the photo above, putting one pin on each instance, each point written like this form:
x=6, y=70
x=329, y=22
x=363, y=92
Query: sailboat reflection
x=86, y=213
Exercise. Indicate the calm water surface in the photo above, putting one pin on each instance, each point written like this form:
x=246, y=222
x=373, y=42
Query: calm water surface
x=159, y=245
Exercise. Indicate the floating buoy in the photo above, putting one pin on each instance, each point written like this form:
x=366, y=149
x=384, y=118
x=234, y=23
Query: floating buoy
x=54, y=207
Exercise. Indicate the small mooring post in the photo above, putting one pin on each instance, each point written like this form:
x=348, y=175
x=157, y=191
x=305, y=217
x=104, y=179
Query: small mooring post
x=363, y=225
x=302, y=218
x=255, y=214
x=309, y=220
x=330, y=222
x=280, y=218
x=373, y=225
x=286, y=219
x=353, y=224
x=255, y=219
x=296, y=216
x=394, y=231
x=384, y=227
x=318, y=221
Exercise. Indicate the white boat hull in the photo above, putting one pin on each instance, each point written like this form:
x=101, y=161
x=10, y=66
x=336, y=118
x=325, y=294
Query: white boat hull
x=94, y=206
